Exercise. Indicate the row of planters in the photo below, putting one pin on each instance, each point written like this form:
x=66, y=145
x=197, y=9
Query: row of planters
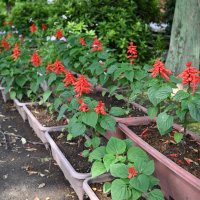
x=76, y=83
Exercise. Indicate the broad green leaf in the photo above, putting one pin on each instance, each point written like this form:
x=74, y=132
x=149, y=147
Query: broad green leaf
x=108, y=159
x=90, y=118
x=46, y=95
x=108, y=123
x=21, y=81
x=178, y=137
x=63, y=108
x=117, y=111
x=115, y=146
x=118, y=190
x=119, y=170
x=112, y=89
x=98, y=169
x=78, y=129
x=153, y=181
x=194, y=109
x=140, y=182
x=149, y=168
x=52, y=77
x=129, y=75
x=136, y=153
x=57, y=103
x=180, y=95
x=97, y=154
x=135, y=194
x=164, y=123
x=155, y=194
x=106, y=187
x=12, y=94
x=152, y=112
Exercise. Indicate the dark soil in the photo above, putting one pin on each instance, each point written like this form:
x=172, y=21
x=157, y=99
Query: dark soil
x=44, y=117
x=27, y=171
x=186, y=153
x=73, y=151
x=112, y=101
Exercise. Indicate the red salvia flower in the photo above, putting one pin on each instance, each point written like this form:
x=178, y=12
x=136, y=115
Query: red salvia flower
x=8, y=35
x=59, y=67
x=159, y=69
x=5, y=44
x=96, y=45
x=173, y=155
x=36, y=59
x=44, y=27
x=33, y=28
x=132, y=172
x=16, y=52
x=49, y=68
x=83, y=107
x=59, y=33
x=82, y=85
x=82, y=41
x=132, y=51
x=69, y=78
x=190, y=76
x=100, y=108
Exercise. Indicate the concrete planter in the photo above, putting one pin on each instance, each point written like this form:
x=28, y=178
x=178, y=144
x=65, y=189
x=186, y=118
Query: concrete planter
x=175, y=182
x=38, y=127
x=76, y=179
x=100, y=179
x=5, y=95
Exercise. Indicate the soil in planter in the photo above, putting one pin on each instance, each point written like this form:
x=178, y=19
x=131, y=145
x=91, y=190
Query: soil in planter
x=44, y=117
x=186, y=153
x=112, y=101
x=72, y=150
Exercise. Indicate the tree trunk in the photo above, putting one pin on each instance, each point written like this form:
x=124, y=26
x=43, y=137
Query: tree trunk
x=185, y=36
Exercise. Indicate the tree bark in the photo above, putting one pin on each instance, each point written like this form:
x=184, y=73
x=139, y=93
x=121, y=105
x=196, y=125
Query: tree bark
x=185, y=36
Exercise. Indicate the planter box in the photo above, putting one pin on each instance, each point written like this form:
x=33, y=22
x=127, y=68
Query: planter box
x=175, y=182
x=20, y=108
x=5, y=96
x=100, y=179
x=76, y=179
x=38, y=128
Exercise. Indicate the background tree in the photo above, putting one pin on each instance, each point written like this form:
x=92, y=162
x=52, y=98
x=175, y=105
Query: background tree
x=185, y=36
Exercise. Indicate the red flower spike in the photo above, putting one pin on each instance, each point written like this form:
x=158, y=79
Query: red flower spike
x=59, y=67
x=59, y=33
x=132, y=51
x=82, y=41
x=44, y=27
x=96, y=45
x=100, y=108
x=5, y=44
x=33, y=28
x=132, y=172
x=16, y=52
x=159, y=69
x=69, y=78
x=173, y=155
x=36, y=60
x=190, y=76
x=82, y=85
x=49, y=68
x=83, y=107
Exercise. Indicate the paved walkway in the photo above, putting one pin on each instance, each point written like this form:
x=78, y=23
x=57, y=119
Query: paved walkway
x=27, y=171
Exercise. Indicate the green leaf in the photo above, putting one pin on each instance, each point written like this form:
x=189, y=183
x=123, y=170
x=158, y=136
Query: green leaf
x=86, y=153
x=108, y=122
x=194, y=109
x=97, y=154
x=112, y=89
x=21, y=80
x=135, y=194
x=97, y=169
x=149, y=168
x=152, y=112
x=108, y=159
x=78, y=129
x=119, y=170
x=136, y=153
x=90, y=118
x=52, y=78
x=117, y=111
x=153, y=181
x=57, y=103
x=155, y=194
x=119, y=97
x=164, y=123
x=129, y=75
x=140, y=182
x=106, y=187
x=111, y=69
x=63, y=108
x=115, y=146
x=119, y=190
x=180, y=95
x=12, y=94
x=46, y=95
x=178, y=137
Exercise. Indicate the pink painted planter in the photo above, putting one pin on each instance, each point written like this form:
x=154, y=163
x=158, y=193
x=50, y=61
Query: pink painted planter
x=38, y=127
x=20, y=108
x=100, y=179
x=5, y=96
x=76, y=179
x=174, y=180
